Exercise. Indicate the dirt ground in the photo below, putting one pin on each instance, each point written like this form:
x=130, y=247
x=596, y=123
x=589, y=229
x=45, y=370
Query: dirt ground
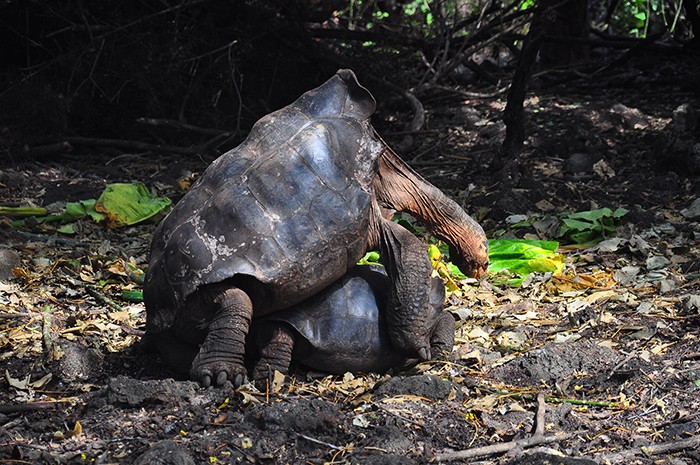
x=600, y=364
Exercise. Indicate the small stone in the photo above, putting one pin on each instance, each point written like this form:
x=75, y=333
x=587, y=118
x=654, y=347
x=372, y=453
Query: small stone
x=693, y=211
x=579, y=163
x=657, y=262
x=9, y=259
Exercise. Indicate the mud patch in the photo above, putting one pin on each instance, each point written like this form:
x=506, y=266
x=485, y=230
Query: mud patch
x=559, y=364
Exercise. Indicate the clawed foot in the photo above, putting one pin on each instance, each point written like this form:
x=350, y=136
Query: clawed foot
x=218, y=371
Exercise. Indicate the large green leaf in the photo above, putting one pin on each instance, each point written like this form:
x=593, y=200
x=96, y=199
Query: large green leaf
x=521, y=257
x=127, y=204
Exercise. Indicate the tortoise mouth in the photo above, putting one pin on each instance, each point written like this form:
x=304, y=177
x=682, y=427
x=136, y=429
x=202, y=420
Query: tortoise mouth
x=472, y=266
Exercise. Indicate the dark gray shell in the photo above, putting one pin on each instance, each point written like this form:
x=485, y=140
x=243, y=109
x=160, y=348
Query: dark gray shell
x=343, y=328
x=288, y=207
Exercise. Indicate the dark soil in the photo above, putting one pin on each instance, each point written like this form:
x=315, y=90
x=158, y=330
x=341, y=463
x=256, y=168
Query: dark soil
x=614, y=343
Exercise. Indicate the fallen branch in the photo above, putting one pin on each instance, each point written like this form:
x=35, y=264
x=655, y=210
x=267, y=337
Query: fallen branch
x=129, y=145
x=20, y=408
x=536, y=439
x=171, y=123
x=14, y=315
x=50, y=149
x=654, y=449
x=53, y=239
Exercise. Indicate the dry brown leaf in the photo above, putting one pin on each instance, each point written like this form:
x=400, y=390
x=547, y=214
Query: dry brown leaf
x=76, y=431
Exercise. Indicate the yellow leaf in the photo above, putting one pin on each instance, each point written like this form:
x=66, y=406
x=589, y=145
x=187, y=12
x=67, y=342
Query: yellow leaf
x=119, y=316
x=76, y=431
x=224, y=404
x=661, y=348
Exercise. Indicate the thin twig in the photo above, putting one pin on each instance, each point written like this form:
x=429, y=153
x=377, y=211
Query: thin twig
x=408, y=420
x=46, y=333
x=539, y=419
x=129, y=145
x=318, y=441
x=100, y=297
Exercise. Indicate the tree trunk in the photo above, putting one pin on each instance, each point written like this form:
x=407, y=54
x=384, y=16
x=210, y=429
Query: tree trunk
x=569, y=19
x=691, y=13
x=513, y=115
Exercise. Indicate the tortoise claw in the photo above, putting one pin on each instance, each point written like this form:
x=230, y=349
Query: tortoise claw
x=221, y=378
x=424, y=353
x=206, y=381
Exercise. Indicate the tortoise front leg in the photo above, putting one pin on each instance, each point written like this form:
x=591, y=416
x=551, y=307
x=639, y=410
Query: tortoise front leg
x=409, y=315
x=276, y=343
x=443, y=338
x=220, y=357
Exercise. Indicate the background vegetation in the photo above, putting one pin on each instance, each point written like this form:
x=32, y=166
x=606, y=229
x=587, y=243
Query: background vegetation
x=207, y=69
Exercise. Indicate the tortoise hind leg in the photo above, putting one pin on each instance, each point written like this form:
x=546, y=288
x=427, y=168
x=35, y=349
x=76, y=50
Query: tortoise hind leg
x=276, y=342
x=221, y=355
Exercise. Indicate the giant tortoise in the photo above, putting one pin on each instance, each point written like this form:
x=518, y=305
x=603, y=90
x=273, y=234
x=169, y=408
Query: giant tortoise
x=285, y=214
x=343, y=328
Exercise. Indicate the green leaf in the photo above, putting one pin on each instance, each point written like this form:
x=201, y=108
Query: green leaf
x=589, y=226
x=370, y=258
x=66, y=229
x=132, y=296
x=127, y=204
x=83, y=208
x=455, y=272
x=577, y=225
x=520, y=257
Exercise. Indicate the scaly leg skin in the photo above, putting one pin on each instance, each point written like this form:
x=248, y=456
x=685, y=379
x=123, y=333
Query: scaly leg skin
x=443, y=337
x=276, y=348
x=409, y=315
x=221, y=355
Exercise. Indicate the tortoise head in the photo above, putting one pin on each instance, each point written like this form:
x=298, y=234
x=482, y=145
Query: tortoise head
x=470, y=251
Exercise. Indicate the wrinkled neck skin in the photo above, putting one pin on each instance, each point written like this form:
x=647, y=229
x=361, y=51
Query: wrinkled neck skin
x=397, y=186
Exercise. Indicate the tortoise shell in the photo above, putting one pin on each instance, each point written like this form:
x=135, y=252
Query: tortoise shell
x=343, y=328
x=289, y=207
